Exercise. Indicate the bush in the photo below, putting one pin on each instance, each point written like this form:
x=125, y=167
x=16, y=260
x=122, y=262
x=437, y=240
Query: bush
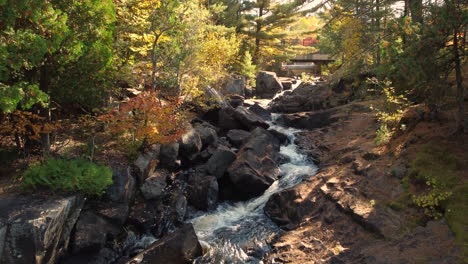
x=435, y=167
x=69, y=175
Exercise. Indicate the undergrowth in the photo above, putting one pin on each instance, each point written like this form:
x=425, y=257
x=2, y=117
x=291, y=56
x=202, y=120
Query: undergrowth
x=445, y=193
x=68, y=175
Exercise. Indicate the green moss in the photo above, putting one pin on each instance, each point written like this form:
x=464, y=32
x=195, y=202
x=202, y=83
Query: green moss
x=445, y=194
x=68, y=175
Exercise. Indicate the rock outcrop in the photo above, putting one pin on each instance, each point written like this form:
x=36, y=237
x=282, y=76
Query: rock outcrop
x=255, y=168
x=268, y=85
x=36, y=229
x=180, y=247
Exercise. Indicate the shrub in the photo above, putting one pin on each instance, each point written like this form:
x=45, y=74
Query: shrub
x=436, y=168
x=69, y=175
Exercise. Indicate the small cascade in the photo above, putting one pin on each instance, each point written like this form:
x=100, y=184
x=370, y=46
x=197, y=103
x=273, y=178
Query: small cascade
x=237, y=232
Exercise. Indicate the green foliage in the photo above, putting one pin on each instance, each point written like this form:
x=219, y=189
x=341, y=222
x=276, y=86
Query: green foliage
x=383, y=135
x=247, y=68
x=435, y=168
x=68, y=175
x=54, y=48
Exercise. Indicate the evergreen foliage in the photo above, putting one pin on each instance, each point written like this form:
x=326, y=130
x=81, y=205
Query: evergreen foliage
x=69, y=176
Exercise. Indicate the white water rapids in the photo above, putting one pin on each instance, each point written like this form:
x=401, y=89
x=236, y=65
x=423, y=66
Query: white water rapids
x=237, y=232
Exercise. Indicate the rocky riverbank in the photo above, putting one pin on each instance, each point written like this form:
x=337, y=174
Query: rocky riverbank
x=344, y=213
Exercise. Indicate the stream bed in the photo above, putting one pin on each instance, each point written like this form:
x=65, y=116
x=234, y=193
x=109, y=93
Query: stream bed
x=238, y=232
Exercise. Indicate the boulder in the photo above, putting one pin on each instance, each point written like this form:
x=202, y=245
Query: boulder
x=288, y=208
x=309, y=120
x=190, y=143
x=261, y=112
x=237, y=137
x=308, y=97
x=116, y=213
x=36, y=229
x=239, y=118
x=255, y=168
x=180, y=247
x=249, y=119
x=287, y=85
x=227, y=120
x=220, y=161
x=236, y=85
x=235, y=100
x=147, y=162
x=283, y=138
x=203, y=191
x=168, y=155
x=123, y=186
x=268, y=85
x=154, y=186
x=91, y=233
x=207, y=133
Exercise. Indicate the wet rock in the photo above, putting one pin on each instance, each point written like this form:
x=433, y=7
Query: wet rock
x=123, y=186
x=36, y=229
x=237, y=137
x=203, y=191
x=180, y=247
x=255, y=168
x=143, y=216
x=283, y=138
x=282, y=159
x=154, y=186
x=207, y=133
x=268, y=85
x=308, y=120
x=147, y=162
x=104, y=256
x=236, y=85
x=91, y=233
x=168, y=155
x=220, y=161
x=260, y=111
x=249, y=119
x=190, y=143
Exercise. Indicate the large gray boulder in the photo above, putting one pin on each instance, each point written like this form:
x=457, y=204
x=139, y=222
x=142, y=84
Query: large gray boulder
x=207, y=133
x=180, y=247
x=239, y=118
x=255, y=168
x=203, y=191
x=220, y=161
x=154, y=186
x=36, y=229
x=236, y=85
x=237, y=137
x=268, y=85
x=92, y=232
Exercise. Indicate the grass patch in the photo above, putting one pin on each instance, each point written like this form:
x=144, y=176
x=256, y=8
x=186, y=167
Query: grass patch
x=68, y=175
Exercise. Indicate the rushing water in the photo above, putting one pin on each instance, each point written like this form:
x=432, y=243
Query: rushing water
x=237, y=232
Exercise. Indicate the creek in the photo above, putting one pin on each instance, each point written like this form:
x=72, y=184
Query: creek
x=238, y=232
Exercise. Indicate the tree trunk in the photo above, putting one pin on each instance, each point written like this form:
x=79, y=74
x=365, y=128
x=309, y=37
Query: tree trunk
x=257, y=37
x=461, y=120
x=45, y=111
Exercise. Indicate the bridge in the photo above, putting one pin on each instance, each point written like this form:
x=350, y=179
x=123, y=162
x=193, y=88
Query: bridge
x=308, y=63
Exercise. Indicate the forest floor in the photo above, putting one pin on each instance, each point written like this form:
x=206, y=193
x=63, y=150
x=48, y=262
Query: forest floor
x=359, y=207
